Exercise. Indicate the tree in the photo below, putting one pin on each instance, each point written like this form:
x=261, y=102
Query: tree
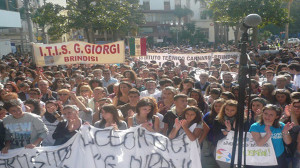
x=102, y=15
x=295, y=27
x=232, y=12
x=117, y=16
x=50, y=16
x=182, y=12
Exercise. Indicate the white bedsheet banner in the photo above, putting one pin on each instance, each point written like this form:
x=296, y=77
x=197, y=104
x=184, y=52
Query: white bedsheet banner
x=105, y=148
x=255, y=155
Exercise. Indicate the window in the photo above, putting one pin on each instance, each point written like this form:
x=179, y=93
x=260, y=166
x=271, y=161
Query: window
x=203, y=15
x=146, y=6
x=205, y=32
x=202, y=4
x=167, y=5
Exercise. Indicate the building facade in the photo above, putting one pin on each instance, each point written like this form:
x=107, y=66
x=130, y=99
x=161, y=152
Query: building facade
x=160, y=19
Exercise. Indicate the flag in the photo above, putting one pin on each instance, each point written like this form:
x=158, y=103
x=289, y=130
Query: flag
x=137, y=46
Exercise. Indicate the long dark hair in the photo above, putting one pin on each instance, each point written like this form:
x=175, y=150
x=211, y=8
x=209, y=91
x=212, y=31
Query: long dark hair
x=36, y=105
x=201, y=102
x=213, y=112
x=198, y=118
x=110, y=108
x=125, y=83
x=146, y=102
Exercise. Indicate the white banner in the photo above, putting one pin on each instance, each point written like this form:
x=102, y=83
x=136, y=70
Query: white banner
x=161, y=58
x=92, y=147
x=255, y=155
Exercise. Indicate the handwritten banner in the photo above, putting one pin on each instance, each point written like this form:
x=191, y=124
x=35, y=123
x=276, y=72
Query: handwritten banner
x=255, y=155
x=77, y=52
x=161, y=58
x=92, y=147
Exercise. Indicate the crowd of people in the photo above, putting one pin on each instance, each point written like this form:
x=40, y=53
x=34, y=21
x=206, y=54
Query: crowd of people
x=46, y=106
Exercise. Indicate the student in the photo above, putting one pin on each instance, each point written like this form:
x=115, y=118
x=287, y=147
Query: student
x=67, y=129
x=225, y=120
x=180, y=102
x=145, y=116
x=129, y=109
x=256, y=105
x=191, y=124
x=207, y=152
x=277, y=131
x=31, y=130
x=110, y=118
x=51, y=119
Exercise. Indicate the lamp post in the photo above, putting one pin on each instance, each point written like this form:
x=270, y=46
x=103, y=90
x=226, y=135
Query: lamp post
x=250, y=21
x=177, y=29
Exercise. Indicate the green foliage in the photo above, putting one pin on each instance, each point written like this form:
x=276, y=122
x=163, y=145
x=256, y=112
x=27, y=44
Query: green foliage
x=265, y=35
x=182, y=12
x=233, y=11
x=49, y=15
x=103, y=14
x=295, y=24
x=112, y=15
x=188, y=35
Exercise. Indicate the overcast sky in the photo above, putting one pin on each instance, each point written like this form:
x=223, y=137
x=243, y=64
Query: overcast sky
x=59, y=2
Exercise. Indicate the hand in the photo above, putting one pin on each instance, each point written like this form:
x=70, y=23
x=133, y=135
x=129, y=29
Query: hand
x=289, y=109
x=228, y=125
x=184, y=123
x=268, y=130
x=49, y=92
x=161, y=107
x=4, y=150
x=30, y=146
x=115, y=126
x=27, y=108
x=177, y=124
x=130, y=113
x=59, y=103
x=288, y=126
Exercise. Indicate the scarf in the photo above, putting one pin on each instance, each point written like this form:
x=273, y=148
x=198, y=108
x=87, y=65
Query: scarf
x=50, y=117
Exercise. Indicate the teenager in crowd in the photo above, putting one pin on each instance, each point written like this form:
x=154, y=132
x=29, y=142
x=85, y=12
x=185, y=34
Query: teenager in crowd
x=110, y=118
x=167, y=101
x=201, y=104
x=191, y=124
x=225, y=120
x=208, y=148
x=31, y=130
x=65, y=130
x=266, y=92
x=145, y=116
x=33, y=106
x=180, y=102
x=277, y=131
x=122, y=95
x=129, y=109
x=256, y=105
x=51, y=119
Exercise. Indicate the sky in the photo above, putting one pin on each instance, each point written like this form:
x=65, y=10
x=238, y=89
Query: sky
x=59, y=2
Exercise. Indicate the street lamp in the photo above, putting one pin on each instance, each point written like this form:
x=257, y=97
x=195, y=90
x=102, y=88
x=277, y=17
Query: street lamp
x=250, y=21
x=176, y=28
